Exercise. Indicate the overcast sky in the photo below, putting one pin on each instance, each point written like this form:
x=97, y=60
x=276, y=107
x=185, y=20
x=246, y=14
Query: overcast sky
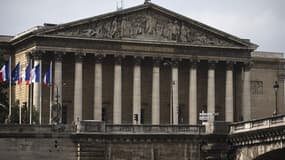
x=262, y=21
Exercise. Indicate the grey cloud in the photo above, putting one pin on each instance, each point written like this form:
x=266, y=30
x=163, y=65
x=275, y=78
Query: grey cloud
x=262, y=21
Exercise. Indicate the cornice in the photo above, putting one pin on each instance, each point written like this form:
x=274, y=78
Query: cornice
x=134, y=41
x=258, y=136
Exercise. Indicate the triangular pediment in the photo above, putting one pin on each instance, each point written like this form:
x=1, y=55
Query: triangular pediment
x=148, y=22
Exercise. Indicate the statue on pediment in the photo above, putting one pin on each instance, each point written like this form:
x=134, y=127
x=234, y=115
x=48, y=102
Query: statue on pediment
x=125, y=27
x=175, y=31
x=150, y=25
x=114, y=29
x=106, y=29
x=88, y=32
x=184, y=33
x=137, y=26
x=145, y=26
x=159, y=29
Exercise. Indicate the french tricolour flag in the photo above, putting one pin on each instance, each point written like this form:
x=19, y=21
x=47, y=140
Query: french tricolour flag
x=35, y=74
x=16, y=74
x=4, y=72
x=26, y=75
x=47, y=76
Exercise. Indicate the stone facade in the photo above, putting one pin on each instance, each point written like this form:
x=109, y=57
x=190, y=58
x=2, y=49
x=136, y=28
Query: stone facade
x=148, y=62
x=147, y=73
x=266, y=70
x=37, y=148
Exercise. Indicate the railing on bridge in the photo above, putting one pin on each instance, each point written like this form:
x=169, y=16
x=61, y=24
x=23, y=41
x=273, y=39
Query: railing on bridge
x=90, y=126
x=256, y=124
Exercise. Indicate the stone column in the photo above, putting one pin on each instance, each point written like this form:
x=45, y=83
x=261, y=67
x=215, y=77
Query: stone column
x=193, y=94
x=37, y=98
x=137, y=90
x=155, y=93
x=78, y=88
x=229, y=93
x=246, y=97
x=57, y=84
x=98, y=88
x=211, y=88
x=117, y=102
x=174, y=89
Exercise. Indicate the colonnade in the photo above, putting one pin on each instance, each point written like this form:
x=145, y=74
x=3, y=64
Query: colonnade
x=136, y=97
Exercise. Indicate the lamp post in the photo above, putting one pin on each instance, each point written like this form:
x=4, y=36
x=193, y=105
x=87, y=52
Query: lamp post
x=275, y=87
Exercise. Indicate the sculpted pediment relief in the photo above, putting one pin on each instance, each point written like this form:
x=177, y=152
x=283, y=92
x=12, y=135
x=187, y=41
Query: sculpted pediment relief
x=145, y=25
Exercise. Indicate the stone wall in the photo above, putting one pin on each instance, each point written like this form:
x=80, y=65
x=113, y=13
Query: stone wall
x=87, y=148
x=37, y=148
x=35, y=142
x=254, y=151
x=133, y=147
x=153, y=151
x=27, y=142
x=263, y=76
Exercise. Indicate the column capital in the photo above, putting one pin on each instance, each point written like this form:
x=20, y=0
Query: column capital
x=37, y=55
x=79, y=57
x=156, y=61
x=229, y=65
x=174, y=63
x=118, y=59
x=29, y=55
x=212, y=64
x=247, y=65
x=98, y=58
x=58, y=56
x=137, y=60
x=193, y=63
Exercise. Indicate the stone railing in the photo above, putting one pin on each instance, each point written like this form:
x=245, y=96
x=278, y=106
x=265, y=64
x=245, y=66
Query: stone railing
x=95, y=126
x=12, y=129
x=16, y=128
x=257, y=124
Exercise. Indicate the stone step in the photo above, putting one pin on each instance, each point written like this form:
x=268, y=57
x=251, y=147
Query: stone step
x=92, y=151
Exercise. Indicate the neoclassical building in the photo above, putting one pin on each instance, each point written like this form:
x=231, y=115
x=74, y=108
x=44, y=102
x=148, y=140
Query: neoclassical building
x=149, y=63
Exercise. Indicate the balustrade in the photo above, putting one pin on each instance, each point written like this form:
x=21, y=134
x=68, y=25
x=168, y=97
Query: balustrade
x=257, y=124
x=95, y=126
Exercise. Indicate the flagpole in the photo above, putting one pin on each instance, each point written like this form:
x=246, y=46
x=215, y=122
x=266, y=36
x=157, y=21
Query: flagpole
x=30, y=93
x=20, y=114
x=10, y=92
x=40, y=98
x=27, y=102
x=31, y=102
x=20, y=88
x=50, y=95
x=20, y=108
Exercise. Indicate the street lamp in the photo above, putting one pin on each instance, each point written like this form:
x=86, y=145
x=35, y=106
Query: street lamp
x=275, y=87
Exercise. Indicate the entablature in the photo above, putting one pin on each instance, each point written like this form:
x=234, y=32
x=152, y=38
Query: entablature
x=143, y=54
x=163, y=50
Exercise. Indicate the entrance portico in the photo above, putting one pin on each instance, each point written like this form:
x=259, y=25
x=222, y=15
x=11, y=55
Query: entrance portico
x=177, y=98
x=112, y=68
